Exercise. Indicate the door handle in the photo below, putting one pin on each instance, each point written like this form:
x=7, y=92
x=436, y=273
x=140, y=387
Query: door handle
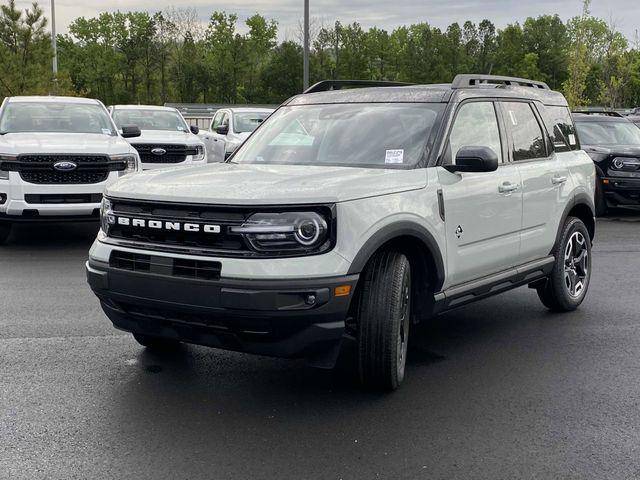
x=558, y=179
x=508, y=187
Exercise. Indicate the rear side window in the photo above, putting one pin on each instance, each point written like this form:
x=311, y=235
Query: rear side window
x=526, y=133
x=563, y=131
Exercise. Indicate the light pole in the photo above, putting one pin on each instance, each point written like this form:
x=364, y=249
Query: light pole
x=306, y=45
x=54, y=45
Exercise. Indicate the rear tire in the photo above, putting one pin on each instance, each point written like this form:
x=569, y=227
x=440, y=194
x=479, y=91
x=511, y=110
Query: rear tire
x=5, y=231
x=156, y=343
x=383, y=318
x=568, y=282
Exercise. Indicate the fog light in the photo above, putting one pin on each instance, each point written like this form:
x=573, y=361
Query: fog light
x=3, y=198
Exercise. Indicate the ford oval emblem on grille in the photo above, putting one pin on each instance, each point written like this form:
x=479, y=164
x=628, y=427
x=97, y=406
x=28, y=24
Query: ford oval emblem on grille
x=65, y=166
x=158, y=151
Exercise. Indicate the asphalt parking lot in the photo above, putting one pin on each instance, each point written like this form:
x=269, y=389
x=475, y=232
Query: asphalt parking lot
x=499, y=389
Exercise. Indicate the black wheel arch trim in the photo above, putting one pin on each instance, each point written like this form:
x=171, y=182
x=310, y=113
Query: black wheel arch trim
x=396, y=230
x=580, y=199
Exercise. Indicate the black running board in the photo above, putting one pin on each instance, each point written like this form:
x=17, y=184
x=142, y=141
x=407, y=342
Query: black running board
x=458, y=295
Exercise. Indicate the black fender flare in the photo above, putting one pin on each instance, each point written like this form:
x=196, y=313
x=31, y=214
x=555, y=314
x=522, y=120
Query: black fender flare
x=579, y=199
x=400, y=229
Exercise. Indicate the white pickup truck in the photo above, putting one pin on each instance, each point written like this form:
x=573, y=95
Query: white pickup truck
x=166, y=140
x=57, y=154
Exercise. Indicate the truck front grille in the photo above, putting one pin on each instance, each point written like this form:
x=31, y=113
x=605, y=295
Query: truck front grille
x=40, y=169
x=152, y=153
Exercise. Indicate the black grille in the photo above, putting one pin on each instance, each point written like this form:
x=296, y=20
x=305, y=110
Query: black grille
x=194, y=214
x=173, y=153
x=63, y=198
x=175, y=267
x=162, y=227
x=39, y=169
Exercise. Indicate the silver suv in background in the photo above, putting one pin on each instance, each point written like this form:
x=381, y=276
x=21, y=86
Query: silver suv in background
x=166, y=139
x=229, y=128
x=57, y=154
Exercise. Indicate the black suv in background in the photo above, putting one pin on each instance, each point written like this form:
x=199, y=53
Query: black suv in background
x=613, y=142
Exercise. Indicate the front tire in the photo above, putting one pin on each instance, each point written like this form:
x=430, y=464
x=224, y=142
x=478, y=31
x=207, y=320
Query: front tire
x=383, y=318
x=568, y=282
x=600, y=201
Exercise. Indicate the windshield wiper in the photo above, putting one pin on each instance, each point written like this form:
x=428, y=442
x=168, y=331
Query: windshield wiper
x=3, y=132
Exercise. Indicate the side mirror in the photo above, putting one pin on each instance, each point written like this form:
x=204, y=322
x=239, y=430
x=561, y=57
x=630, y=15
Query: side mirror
x=130, y=131
x=222, y=129
x=195, y=130
x=474, y=159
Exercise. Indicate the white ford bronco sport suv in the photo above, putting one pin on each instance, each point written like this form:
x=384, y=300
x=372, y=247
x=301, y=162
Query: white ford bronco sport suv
x=57, y=154
x=349, y=215
x=166, y=139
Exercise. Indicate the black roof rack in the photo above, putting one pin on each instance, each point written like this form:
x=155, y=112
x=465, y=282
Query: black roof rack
x=326, y=85
x=598, y=111
x=470, y=80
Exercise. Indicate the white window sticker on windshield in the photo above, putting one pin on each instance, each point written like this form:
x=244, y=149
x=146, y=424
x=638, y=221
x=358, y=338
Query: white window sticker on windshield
x=394, y=156
x=106, y=131
x=514, y=120
x=572, y=139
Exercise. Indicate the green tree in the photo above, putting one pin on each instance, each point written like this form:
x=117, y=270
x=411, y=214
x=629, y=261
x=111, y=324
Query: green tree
x=25, y=51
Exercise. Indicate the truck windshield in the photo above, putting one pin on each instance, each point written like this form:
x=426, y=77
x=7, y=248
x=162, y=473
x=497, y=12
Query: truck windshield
x=244, y=122
x=608, y=133
x=149, y=119
x=58, y=117
x=380, y=135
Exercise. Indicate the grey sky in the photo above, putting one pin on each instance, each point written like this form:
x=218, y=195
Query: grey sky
x=625, y=14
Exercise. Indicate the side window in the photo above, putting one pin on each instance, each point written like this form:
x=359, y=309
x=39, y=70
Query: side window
x=215, y=123
x=564, y=136
x=527, y=135
x=225, y=120
x=475, y=125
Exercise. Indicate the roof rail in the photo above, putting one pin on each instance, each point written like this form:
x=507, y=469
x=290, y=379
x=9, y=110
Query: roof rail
x=598, y=111
x=470, y=80
x=326, y=85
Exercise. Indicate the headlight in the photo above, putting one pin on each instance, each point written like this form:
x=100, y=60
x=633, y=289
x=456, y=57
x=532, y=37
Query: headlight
x=130, y=160
x=626, y=163
x=199, y=156
x=106, y=215
x=286, y=232
x=4, y=174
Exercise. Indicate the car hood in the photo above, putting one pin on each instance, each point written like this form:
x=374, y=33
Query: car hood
x=166, y=136
x=17, y=143
x=228, y=183
x=601, y=152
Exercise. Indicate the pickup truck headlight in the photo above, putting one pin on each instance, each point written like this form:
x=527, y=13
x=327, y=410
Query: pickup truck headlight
x=199, y=156
x=4, y=174
x=131, y=161
x=106, y=215
x=286, y=232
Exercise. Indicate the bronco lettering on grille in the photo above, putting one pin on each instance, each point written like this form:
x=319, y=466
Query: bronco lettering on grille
x=166, y=225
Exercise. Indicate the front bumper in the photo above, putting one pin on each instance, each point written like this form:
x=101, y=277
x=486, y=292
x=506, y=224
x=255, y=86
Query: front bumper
x=187, y=162
x=622, y=191
x=266, y=317
x=22, y=201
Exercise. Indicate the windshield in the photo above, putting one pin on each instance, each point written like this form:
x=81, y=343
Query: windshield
x=382, y=135
x=248, y=121
x=608, y=133
x=148, y=119
x=58, y=117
